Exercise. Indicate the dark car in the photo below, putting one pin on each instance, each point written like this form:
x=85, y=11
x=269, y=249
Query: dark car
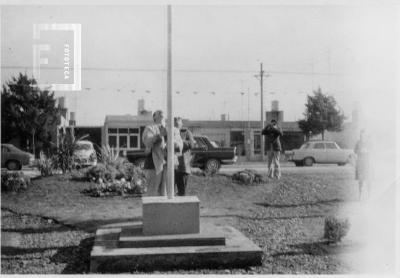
x=206, y=155
x=13, y=158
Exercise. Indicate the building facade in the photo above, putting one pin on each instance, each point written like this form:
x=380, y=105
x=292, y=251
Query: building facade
x=124, y=132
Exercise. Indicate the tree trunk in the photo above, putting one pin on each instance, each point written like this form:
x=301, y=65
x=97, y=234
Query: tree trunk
x=323, y=135
x=33, y=143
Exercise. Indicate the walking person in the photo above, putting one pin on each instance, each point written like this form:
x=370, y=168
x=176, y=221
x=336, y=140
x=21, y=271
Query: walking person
x=273, y=132
x=363, y=169
x=183, y=170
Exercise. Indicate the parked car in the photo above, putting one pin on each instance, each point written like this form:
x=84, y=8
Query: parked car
x=319, y=152
x=13, y=158
x=84, y=154
x=206, y=155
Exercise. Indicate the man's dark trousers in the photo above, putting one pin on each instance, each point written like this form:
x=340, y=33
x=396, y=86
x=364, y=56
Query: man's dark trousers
x=181, y=181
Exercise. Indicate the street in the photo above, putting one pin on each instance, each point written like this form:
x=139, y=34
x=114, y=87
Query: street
x=286, y=167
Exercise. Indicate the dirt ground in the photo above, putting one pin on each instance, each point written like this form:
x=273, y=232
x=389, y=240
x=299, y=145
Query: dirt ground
x=284, y=217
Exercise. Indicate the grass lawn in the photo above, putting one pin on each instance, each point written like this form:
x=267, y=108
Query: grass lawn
x=51, y=225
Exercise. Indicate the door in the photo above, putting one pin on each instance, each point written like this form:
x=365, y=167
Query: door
x=319, y=152
x=333, y=153
x=5, y=153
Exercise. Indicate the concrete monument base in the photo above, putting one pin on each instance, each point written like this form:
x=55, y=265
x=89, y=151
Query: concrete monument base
x=163, y=216
x=124, y=248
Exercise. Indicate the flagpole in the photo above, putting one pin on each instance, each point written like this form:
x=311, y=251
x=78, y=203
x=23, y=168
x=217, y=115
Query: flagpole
x=170, y=119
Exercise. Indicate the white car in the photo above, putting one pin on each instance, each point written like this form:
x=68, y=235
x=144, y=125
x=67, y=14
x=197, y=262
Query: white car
x=84, y=154
x=320, y=152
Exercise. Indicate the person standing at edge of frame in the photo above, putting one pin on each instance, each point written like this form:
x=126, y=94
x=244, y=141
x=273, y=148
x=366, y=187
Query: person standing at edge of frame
x=363, y=168
x=183, y=170
x=273, y=133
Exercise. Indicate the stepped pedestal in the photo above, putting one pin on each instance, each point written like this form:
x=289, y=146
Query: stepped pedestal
x=170, y=236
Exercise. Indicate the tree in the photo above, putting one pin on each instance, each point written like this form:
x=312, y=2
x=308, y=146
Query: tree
x=27, y=112
x=322, y=113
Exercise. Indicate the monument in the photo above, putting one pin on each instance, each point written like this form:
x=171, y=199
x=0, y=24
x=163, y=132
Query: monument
x=170, y=234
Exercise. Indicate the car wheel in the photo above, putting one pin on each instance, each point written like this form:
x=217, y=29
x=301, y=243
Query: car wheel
x=212, y=165
x=13, y=165
x=298, y=164
x=140, y=163
x=308, y=161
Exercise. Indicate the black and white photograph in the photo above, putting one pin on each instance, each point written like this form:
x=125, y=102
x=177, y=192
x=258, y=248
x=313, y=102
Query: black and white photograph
x=217, y=137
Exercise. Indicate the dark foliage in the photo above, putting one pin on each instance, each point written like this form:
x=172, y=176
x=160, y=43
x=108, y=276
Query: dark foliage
x=322, y=113
x=14, y=181
x=27, y=112
x=335, y=229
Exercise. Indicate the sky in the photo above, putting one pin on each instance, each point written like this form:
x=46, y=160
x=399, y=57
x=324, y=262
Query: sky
x=217, y=50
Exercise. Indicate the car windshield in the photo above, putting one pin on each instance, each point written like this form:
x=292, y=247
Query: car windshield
x=13, y=148
x=83, y=147
x=305, y=146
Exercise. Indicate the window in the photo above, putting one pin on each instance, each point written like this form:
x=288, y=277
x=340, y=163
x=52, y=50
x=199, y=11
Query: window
x=112, y=141
x=199, y=143
x=257, y=142
x=84, y=146
x=319, y=146
x=305, y=146
x=331, y=146
x=122, y=130
x=4, y=150
x=123, y=141
x=214, y=144
x=134, y=141
x=134, y=130
x=124, y=138
x=237, y=136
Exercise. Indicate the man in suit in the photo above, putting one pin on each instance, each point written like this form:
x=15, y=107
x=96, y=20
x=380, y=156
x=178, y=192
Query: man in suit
x=183, y=170
x=273, y=133
x=154, y=138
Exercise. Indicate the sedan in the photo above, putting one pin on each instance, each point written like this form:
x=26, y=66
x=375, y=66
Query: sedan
x=319, y=152
x=13, y=158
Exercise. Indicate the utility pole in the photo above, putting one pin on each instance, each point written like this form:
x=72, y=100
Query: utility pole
x=248, y=126
x=261, y=78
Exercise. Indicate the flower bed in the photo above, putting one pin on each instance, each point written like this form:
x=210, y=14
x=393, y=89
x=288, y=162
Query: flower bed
x=116, y=188
x=107, y=180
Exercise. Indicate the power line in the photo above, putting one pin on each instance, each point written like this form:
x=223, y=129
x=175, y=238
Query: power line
x=189, y=70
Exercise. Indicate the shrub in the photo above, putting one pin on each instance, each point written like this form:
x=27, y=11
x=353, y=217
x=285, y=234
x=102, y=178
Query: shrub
x=108, y=180
x=118, y=187
x=46, y=165
x=65, y=151
x=131, y=172
x=248, y=176
x=104, y=172
x=111, y=156
x=335, y=229
x=14, y=181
